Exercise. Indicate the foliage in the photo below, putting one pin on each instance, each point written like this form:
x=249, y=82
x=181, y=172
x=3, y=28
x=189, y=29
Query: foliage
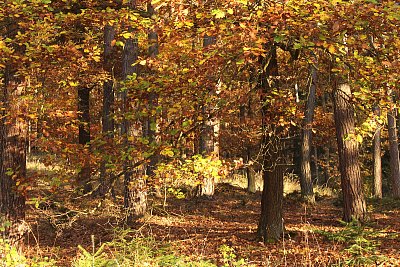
x=188, y=173
x=361, y=244
x=137, y=251
x=11, y=257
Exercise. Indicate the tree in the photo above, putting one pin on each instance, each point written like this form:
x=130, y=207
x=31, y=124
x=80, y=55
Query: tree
x=13, y=136
x=377, y=158
x=135, y=192
x=108, y=103
x=270, y=226
x=351, y=182
x=207, y=136
x=84, y=136
x=305, y=177
x=394, y=152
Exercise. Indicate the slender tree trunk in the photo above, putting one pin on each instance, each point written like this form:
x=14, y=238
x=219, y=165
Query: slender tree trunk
x=151, y=121
x=251, y=181
x=108, y=103
x=326, y=148
x=306, y=183
x=394, y=152
x=13, y=138
x=207, y=138
x=351, y=181
x=135, y=191
x=84, y=136
x=377, y=160
x=270, y=225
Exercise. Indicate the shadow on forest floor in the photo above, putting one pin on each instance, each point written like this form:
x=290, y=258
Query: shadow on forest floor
x=199, y=227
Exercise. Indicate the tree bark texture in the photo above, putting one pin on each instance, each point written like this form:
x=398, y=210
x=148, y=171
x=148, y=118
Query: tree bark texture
x=207, y=136
x=394, y=152
x=108, y=103
x=377, y=159
x=351, y=182
x=270, y=225
x=135, y=190
x=306, y=182
x=13, y=140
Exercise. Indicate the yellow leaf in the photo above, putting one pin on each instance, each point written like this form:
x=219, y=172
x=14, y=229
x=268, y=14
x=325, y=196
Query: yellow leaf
x=332, y=49
x=142, y=62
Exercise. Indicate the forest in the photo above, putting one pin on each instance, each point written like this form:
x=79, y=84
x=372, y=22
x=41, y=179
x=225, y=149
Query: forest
x=199, y=133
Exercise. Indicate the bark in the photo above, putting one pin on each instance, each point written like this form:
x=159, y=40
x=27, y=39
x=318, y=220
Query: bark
x=270, y=225
x=84, y=136
x=251, y=178
x=13, y=140
x=377, y=160
x=151, y=121
x=207, y=137
x=351, y=182
x=306, y=183
x=135, y=191
x=108, y=103
x=394, y=152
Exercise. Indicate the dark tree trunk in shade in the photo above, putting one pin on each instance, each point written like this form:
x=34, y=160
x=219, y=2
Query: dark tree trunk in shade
x=306, y=182
x=108, y=103
x=377, y=159
x=207, y=138
x=270, y=225
x=394, y=152
x=84, y=136
x=150, y=124
x=13, y=140
x=135, y=191
x=351, y=182
x=326, y=149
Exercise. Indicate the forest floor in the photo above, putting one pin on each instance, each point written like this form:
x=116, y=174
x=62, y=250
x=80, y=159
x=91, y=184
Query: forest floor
x=220, y=230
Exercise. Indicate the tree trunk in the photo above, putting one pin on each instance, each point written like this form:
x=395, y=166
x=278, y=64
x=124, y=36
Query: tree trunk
x=207, y=137
x=270, y=225
x=108, y=103
x=377, y=160
x=251, y=181
x=351, y=181
x=306, y=183
x=151, y=121
x=135, y=191
x=13, y=138
x=84, y=136
x=394, y=152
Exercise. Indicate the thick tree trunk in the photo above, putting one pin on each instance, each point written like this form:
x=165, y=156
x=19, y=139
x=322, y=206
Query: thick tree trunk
x=108, y=103
x=306, y=183
x=84, y=136
x=270, y=225
x=135, y=191
x=207, y=138
x=13, y=140
x=351, y=181
x=377, y=160
x=394, y=152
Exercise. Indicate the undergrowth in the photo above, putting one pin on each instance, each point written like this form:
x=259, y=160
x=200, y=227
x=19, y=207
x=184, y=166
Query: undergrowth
x=361, y=244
